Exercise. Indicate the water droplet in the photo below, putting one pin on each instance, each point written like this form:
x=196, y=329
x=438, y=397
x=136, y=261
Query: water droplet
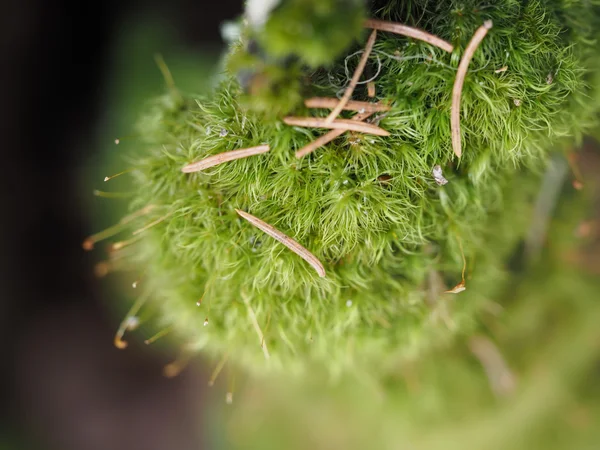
x=223, y=132
x=348, y=303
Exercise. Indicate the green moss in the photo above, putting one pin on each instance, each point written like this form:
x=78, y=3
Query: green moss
x=543, y=320
x=380, y=241
x=316, y=31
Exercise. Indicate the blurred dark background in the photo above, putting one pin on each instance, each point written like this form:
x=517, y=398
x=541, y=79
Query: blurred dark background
x=64, y=385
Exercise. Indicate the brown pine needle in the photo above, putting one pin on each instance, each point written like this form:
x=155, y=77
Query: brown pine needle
x=352, y=105
x=405, y=30
x=215, y=160
x=327, y=137
x=338, y=124
x=285, y=240
x=355, y=77
x=256, y=326
x=459, y=82
x=371, y=89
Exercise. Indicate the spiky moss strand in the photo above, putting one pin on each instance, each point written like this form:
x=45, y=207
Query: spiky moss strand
x=368, y=207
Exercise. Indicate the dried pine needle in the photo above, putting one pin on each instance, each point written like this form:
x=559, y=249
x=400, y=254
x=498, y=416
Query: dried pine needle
x=405, y=30
x=459, y=82
x=351, y=105
x=225, y=157
x=355, y=77
x=285, y=240
x=327, y=137
x=371, y=89
x=338, y=124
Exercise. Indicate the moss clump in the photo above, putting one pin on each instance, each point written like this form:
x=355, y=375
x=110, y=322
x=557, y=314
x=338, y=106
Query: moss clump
x=315, y=31
x=368, y=207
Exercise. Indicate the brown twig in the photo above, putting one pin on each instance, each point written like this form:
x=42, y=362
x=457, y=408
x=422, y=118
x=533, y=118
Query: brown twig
x=338, y=124
x=328, y=137
x=459, y=82
x=351, y=105
x=285, y=240
x=405, y=30
x=355, y=77
x=224, y=157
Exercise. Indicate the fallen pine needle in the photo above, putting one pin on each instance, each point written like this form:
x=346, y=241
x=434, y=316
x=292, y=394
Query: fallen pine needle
x=459, y=82
x=224, y=157
x=338, y=124
x=371, y=89
x=285, y=240
x=355, y=77
x=405, y=30
x=327, y=137
x=351, y=105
